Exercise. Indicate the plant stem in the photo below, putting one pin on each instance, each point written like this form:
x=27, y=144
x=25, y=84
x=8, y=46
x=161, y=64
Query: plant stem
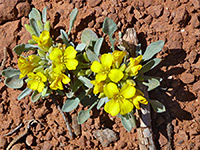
x=63, y=115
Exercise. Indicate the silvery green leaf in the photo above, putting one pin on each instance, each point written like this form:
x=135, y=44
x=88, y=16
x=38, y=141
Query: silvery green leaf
x=44, y=91
x=152, y=82
x=109, y=27
x=31, y=41
x=24, y=48
x=64, y=36
x=157, y=106
x=85, y=81
x=150, y=65
x=92, y=56
x=128, y=121
x=80, y=47
x=72, y=19
x=101, y=102
x=40, y=26
x=83, y=116
x=35, y=14
x=10, y=72
x=34, y=26
x=60, y=92
x=44, y=15
x=35, y=96
x=29, y=29
x=48, y=92
x=97, y=46
x=88, y=36
x=70, y=104
x=14, y=82
x=153, y=49
x=47, y=26
x=24, y=93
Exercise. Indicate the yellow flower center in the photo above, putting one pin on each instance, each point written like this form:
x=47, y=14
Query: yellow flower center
x=118, y=98
x=38, y=79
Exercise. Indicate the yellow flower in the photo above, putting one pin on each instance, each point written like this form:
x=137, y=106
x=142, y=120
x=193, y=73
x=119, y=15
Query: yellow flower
x=119, y=102
x=98, y=86
x=56, y=80
x=44, y=41
x=27, y=64
x=63, y=59
x=36, y=81
x=134, y=66
x=104, y=70
x=118, y=57
x=138, y=98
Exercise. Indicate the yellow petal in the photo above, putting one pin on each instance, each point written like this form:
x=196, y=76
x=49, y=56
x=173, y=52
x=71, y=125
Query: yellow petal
x=128, y=91
x=70, y=52
x=138, y=59
x=96, y=67
x=101, y=77
x=139, y=99
x=134, y=70
x=115, y=75
x=125, y=107
x=118, y=57
x=40, y=87
x=32, y=84
x=107, y=60
x=65, y=79
x=35, y=38
x=112, y=107
x=71, y=64
x=43, y=77
x=56, y=54
x=98, y=88
x=111, y=90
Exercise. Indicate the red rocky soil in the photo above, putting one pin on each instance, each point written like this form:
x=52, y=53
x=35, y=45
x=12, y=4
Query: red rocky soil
x=177, y=22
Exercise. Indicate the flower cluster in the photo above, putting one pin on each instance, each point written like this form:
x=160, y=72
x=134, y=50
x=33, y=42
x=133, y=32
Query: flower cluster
x=114, y=80
x=50, y=66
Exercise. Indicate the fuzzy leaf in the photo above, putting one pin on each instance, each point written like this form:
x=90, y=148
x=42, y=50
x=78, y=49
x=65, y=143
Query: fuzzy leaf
x=153, y=49
x=35, y=96
x=34, y=26
x=153, y=82
x=72, y=19
x=88, y=36
x=97, y=46
x=80, y=47
x=101, y=102
x=83, y=116
x=47, y=26
x=35, y=14
x=64, y=36
x=40, y=26
x=24, y=48
x=128, y=121
x=92, y=56
x=24, y=93
x=150, y=65
x=10, y=72
x=44, y=15
x=70, y=104
x=157, y=106
x=109, y=27
x=85, y=81
x=14, y=82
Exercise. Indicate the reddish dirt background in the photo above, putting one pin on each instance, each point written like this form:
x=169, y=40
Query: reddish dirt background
x=177, y=22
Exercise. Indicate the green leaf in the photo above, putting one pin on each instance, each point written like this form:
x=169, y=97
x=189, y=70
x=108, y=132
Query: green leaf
x=70, y=104
x=24, y=48
x=76, y=85
x=80, y=47
x=44, y=15
x=153, y=82
x=85, y=81
x=35, y=96
x=150, y=65
x=92, y=56
x=44, y=91
x=40, y=26
x=60, y=92
x=10, y=72
x=83, y=116
x=14, y=82
x=47, y=26
x=64, y=36
x=72, y=19
x=157, y=106
x=24, y=93
x=97, y=46
x=101, y=102
x=109, y=27
x=34, y=26
x=34, y=14
x=128, y=121
x=87, y=99
x=153, y=49
x=88, y=36
x=48, y=92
